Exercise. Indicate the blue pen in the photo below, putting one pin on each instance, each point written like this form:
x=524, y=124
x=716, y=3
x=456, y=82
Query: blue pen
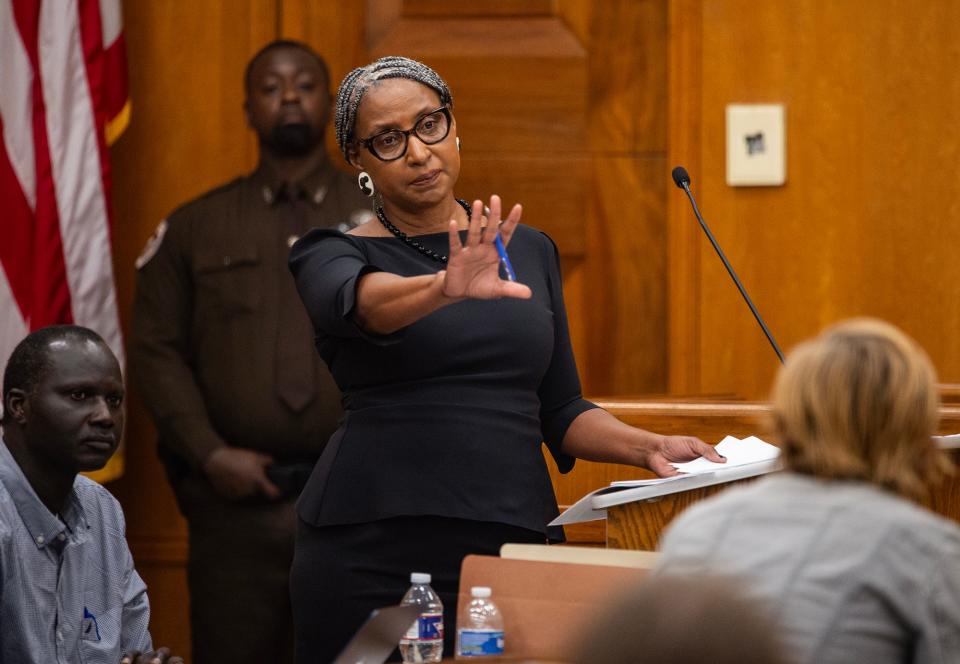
x=90, y=623
x=504, y=259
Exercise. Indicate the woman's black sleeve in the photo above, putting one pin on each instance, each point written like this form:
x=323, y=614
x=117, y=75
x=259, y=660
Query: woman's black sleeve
x=326, y=266
x=561, y=400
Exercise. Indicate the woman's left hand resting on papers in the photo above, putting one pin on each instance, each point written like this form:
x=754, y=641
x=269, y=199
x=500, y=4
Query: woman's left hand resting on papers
x=596, y=435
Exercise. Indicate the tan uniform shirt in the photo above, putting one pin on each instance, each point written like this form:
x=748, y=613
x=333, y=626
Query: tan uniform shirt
x=215, y=307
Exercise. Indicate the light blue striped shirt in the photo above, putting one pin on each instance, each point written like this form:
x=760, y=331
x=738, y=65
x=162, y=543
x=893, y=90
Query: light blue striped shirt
x=68, y=589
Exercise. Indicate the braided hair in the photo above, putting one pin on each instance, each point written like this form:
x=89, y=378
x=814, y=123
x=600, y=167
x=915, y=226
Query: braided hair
x=357, y=82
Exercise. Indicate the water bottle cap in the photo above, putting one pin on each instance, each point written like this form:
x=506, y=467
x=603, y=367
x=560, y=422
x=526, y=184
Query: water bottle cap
x=419, y=577
x=480, y=591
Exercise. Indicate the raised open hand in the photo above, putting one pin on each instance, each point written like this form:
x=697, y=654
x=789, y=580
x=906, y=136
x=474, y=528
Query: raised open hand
x=473, y=269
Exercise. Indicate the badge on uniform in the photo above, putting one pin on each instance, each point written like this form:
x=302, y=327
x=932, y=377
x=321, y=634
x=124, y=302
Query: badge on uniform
x=152, y=246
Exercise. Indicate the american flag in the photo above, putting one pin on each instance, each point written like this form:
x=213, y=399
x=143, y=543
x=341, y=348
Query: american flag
x=63, y=100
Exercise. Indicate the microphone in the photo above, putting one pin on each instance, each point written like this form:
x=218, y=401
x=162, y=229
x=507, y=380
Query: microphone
x=682, y=179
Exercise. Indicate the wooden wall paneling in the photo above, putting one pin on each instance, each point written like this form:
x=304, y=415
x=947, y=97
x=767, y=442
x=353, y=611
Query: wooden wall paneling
x=732, y=360
x=627, y=44
x=625, y=266
x=581, y=306
x=626, y=138
x=187, y=134
x=334, y=29
x=861, y=227
x=382, y=16
x=682, y=231
x=486, y=9
x=623, y=270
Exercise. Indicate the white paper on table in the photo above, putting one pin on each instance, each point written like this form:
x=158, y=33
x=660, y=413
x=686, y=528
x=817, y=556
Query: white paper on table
x=738, y=453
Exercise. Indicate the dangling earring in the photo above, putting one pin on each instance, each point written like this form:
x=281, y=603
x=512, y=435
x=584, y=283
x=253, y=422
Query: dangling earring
x=366, y=183
x=458, y=144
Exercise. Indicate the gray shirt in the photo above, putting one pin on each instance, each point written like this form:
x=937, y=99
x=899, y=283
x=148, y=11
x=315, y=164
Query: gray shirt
x=853, y=573
x=68, y=589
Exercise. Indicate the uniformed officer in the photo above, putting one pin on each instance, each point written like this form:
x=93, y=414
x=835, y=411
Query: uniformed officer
x=223, y=356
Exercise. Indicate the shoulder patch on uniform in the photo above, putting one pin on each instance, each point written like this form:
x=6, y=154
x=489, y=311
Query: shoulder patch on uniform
x=153, y=244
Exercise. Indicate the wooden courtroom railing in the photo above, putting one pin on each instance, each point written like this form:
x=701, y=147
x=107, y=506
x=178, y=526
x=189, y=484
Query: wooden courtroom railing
x=639, y=525
x=950, y=394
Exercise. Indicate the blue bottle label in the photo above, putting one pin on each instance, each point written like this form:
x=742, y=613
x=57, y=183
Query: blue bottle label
x=428, y=627
x=480, y=643
x=431, y=626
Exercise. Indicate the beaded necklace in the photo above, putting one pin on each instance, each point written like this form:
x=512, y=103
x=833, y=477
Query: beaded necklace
x=407, y=240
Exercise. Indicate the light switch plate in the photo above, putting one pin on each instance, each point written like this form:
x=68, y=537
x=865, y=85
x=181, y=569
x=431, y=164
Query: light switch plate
x=756, y=145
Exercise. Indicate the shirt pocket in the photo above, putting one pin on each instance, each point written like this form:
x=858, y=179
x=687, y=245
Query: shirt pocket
x=100, y=634
x=229, y=280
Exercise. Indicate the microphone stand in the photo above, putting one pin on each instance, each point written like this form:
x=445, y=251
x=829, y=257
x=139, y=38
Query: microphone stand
x=685, y=185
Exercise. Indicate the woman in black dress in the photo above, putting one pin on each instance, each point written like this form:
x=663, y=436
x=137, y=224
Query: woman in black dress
x=452, y=376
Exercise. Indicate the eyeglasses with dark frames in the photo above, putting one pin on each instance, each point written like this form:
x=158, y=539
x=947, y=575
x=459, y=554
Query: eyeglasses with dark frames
x=390, y=145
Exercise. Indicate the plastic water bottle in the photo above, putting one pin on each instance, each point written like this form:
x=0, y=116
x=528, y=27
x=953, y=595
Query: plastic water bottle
x=423, y=642
x=480, y=626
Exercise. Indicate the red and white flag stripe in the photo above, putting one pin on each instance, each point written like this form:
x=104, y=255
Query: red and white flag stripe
x=63, y=97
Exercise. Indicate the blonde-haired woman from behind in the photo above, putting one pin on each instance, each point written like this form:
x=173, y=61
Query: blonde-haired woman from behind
x=836, y=547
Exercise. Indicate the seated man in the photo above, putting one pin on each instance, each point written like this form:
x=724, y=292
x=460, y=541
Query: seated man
x=68, y=588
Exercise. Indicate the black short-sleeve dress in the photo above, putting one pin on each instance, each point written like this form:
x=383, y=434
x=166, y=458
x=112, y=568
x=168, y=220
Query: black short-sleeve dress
x=444, y=419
